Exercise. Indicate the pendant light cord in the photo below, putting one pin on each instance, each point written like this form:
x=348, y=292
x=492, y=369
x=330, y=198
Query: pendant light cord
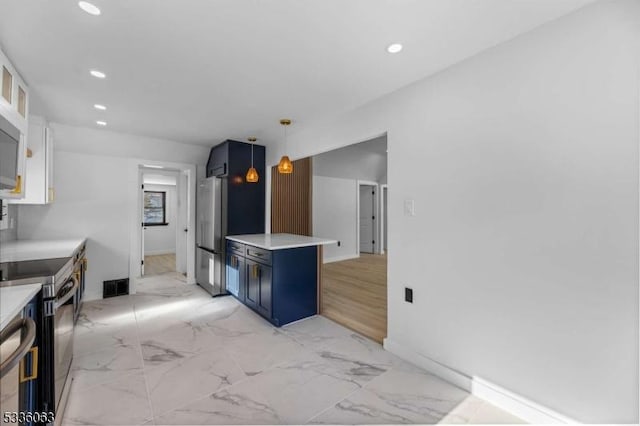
x=285, y=138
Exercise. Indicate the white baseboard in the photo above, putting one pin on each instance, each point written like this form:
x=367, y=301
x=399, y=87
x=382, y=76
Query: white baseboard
x=339, y=258
x=517, y=405
x=510, y=402
x=157, y=252
x=444, y=372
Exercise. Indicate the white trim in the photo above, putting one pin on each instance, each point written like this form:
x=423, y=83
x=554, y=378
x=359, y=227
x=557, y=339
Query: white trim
x=340, y=258
x=510, y=402
x=381, y=233
x=135, y=168
x=517, y=405
x=158, y=252
x=444, y=372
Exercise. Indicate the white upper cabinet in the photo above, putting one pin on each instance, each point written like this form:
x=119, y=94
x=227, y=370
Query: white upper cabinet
x=14, y=107
x=39, y=187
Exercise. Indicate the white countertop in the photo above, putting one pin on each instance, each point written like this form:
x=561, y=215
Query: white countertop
x=20, y=250
x=280, y=241
x=13, y=299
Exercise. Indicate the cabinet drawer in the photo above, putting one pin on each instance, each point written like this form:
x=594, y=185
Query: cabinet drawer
x=237, y=248
x=259, y=255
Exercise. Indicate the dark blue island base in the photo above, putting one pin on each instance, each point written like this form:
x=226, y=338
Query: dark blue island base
x=281, y=285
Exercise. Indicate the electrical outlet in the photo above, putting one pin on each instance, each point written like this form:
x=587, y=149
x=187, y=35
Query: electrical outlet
x=408, y=294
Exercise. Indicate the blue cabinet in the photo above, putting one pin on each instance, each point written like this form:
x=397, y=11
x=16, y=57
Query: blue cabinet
x=236, y=270
x=259, y=290
x=280, y=285
x=244, y=201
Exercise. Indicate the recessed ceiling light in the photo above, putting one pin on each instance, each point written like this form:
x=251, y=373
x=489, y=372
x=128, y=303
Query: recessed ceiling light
x=151, y=166
x=100, y=107
x=394, y=48
x=91, y=9
x=97, y=74
x=101, y=123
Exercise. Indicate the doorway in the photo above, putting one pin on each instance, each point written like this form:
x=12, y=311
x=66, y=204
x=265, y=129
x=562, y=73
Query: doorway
x=162, y=235
x=160, y=227
x=347, y=207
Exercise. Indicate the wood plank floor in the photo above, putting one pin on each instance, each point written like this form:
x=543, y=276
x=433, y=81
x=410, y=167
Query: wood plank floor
x=354, y=294
x=159, y=264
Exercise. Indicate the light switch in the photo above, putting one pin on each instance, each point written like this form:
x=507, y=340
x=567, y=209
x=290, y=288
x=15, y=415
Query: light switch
x=409, y=207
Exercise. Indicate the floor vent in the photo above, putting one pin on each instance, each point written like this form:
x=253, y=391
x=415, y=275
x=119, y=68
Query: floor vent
x=114, y=288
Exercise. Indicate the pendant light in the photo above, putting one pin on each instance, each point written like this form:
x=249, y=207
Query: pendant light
x=252, y=173
x=285, y=166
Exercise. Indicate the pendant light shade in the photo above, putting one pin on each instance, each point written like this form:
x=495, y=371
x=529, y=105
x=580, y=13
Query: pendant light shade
x=252, y=173
x=285, y=166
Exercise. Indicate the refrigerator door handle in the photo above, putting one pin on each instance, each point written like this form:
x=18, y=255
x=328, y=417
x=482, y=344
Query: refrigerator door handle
x=211, y=270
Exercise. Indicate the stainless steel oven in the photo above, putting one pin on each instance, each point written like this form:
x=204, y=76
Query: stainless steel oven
x=19, y=370
x=56, y=305
x=59, y=321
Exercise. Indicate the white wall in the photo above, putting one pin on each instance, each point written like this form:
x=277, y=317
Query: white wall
x=363, y=161
x=523, y=253
x=162, y=239
x=11, y=218
x=335, y=216
x=92, y=195
x=335, y=193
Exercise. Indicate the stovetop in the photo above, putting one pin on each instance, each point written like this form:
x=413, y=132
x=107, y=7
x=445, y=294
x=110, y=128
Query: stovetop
x=46, y=270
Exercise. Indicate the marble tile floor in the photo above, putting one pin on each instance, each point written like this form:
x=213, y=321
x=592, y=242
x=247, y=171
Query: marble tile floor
x=171, y=355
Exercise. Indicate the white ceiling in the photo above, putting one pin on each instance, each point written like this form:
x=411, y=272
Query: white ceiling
x=202, y=71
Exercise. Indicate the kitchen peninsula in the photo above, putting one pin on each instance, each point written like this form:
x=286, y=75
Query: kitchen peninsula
x=276, y=275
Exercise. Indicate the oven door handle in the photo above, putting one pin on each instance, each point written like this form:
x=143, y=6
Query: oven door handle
x=29, y=336
x=69, y=294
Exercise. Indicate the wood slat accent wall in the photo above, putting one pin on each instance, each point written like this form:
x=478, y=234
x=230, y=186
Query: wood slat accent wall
x=291, y=199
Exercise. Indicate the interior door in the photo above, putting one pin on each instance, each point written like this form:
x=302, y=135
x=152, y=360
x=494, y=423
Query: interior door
x=142, y=229
x=367, y=218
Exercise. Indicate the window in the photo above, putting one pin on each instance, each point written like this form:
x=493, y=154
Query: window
x=155, y=208
x=7, y=84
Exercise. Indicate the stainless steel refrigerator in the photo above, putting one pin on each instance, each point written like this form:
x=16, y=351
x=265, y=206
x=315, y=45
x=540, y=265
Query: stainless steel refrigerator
x=209, y=241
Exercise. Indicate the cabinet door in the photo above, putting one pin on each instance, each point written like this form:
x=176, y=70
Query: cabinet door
x=38, y=186
x=264, y=273
x=259, y=287
x=236, y=275
x=218, y=161
x=252, y=296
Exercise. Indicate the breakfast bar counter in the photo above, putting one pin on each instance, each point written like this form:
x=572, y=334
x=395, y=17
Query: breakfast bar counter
x=280, y=241
x=276, y=275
